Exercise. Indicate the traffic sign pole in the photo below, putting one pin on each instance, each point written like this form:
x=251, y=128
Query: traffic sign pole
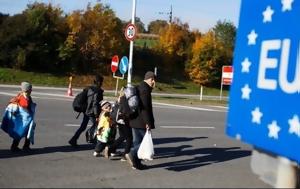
x=117, y=86
x=131, y=45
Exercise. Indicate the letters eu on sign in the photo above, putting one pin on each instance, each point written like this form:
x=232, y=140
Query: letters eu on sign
x=264, y=107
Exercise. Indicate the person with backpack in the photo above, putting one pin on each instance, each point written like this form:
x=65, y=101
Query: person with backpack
x=143, y=120
x=94, y=94
x=121, y=120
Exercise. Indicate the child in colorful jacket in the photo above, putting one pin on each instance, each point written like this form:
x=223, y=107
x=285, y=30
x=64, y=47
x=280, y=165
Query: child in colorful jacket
x=104, y=128
x=18, y=118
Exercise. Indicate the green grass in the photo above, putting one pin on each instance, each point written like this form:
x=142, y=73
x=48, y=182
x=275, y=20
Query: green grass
x=149, y=43
x=11, y=76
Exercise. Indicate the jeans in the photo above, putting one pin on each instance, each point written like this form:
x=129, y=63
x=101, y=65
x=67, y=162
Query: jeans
x=138, y=135
x=83, y=126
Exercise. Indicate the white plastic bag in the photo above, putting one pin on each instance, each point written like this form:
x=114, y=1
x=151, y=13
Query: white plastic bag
x=146, y=149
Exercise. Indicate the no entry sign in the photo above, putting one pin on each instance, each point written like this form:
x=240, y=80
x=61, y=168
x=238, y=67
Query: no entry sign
x=227, y=75
x=114, y=63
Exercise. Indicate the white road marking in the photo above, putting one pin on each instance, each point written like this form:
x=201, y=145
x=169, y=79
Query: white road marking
x=74, y=125
x=8, y=94
x=169, y=127
x=188, y=107
x=224, y=107
x=157, y=104
x=186, y=127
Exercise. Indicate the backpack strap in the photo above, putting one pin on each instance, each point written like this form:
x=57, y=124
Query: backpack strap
x=78, y=115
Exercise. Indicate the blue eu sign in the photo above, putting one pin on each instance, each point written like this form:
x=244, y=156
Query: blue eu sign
x=264, y=107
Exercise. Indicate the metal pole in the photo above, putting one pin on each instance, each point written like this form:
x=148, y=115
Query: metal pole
x=221, y=90
x=117, y=86
x=201, y=93
x=131, y=45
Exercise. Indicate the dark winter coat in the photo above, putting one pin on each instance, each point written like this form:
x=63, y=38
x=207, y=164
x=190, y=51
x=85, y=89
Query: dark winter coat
x=95, y=95
x=145, y=115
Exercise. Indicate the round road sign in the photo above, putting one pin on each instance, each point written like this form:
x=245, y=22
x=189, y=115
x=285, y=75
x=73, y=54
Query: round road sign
x=130, y=32
x=114, y=63
x=123, y=65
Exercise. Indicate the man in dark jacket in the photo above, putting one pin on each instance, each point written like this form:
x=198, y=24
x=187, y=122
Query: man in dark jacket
x=94, y=96
x=143, y=121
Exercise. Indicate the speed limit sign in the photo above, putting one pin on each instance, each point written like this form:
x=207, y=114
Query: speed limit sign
x=130, y=32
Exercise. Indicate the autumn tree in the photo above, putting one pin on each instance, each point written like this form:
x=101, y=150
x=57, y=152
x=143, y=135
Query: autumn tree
x=175, y=39
x=156, y=26
x=139, y=25
x=96, y=34
x=225, y=32
x=30, y=40
x=207, y=60
x=46, y=32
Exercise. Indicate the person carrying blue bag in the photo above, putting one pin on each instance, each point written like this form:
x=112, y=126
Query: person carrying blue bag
x=18, y=119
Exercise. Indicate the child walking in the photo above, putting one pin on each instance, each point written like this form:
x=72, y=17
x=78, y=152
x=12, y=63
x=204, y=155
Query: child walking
x=122, y=123
x=104, y=128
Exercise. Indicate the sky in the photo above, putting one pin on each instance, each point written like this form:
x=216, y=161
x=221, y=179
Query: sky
x=199, y=14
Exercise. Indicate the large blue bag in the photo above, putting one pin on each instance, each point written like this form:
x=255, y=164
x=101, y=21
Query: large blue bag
x=17, y=121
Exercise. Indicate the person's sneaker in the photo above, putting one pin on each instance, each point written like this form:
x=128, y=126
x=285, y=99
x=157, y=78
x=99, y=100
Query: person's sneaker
x=142, y=167
x=27, y=149
x=96, y=154
x=16, y=149
x=73, y=143
x=115, y=154
x=129, y=159
x=123, y=159
x=106, y=152
x=133, y=167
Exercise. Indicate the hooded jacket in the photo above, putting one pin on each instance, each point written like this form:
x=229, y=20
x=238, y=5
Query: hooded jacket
x=94, y=97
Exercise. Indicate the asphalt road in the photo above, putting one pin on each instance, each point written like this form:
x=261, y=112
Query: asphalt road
x=191, y=151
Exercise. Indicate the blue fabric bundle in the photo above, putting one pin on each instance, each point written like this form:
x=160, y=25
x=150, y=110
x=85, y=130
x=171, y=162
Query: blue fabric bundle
x=17, y=122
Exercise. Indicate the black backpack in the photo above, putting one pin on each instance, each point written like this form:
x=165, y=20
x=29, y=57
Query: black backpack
x=80, y=102
x=132, y=104
x=114, y=114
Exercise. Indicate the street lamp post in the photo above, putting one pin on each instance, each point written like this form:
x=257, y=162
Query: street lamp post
x=131, y=45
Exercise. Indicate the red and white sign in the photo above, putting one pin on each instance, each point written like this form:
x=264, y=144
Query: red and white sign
x=130, y=32
x=227, y=75
x=114, y=63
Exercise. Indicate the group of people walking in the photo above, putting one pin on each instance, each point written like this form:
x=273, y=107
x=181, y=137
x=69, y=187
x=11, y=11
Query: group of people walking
x=131, y=128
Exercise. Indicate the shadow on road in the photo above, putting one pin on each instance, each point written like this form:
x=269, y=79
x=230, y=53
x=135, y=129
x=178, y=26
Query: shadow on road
x=197, y=157
x=157, y=141
x=46, y=150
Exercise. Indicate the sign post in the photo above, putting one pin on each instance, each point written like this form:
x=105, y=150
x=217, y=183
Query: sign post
x=227, y=75
x=264, y=96
x=131, y=44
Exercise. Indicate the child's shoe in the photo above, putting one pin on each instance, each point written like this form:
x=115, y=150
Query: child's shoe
x=96, y=154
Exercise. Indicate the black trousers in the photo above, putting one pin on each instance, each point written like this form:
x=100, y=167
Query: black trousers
x=125, y=134
x=16, y=143
x=83, y=126
x=100, y=146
